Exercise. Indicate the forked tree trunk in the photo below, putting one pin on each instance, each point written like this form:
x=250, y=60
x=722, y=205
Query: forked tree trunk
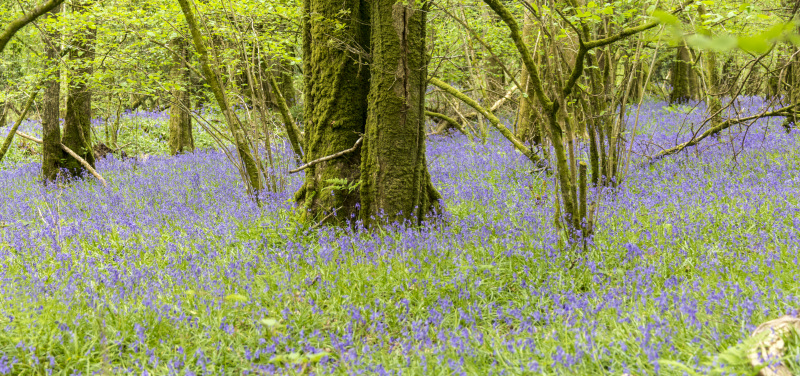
x=394, y=175
x=180, y=120
x=78, y=120
x=336, y=88
x=52, y=153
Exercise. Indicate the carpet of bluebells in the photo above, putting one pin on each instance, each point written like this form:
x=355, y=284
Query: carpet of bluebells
x=174, y=270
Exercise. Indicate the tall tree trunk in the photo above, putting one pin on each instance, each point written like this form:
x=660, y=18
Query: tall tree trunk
x=681, y=69
x=181, y=139
x=712, y=79
x=52, y=153
x=394, y=174
x=78, y=120
x=793, y=70
x=336, y=88
x=527, y=113
x=286, y=83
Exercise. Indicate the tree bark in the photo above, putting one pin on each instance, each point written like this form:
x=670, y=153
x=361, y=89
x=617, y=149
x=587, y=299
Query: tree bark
x=681, y=69
x=52, y=154
x=336, y=88
x=78, y=121
x=395, y=183
x=181, y=139
x=526, y=115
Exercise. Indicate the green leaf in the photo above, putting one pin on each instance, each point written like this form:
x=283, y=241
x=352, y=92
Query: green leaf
x=315, y=358
x=236, y=298
x=679, y=366
x=756, y=44
x=665, y=18
x=269, y=322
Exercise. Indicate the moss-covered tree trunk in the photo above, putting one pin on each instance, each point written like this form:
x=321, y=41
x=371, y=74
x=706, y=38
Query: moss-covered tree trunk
x=78, y=120
x=396, y=184
x=336, y=88
x=712, y=78
x=526, y=129
x=180, y=120
x=681, y=69
x=51, y=129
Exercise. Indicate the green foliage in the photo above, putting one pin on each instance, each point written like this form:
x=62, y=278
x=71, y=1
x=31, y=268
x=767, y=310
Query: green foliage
x=339, y=184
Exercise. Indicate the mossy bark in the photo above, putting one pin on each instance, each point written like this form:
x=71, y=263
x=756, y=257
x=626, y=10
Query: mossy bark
x=181, y=139
x=395, y=183
x=52, y=153
x=681, y=82
x=527, y=115
x=712, y=79
x=78, y=120
x=336, y=87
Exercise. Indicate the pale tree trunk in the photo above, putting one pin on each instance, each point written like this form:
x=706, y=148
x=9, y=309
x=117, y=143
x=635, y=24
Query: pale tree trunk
x=78, y=120
x=180, y=120
x=51, y=129
x=336, y=88
x=396, y=184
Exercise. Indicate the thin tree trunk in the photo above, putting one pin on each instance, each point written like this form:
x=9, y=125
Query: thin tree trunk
x=13, y=131
x=526, y=113
x=394, y=175
x=78, y=121
x=250, y=166
x=336, y=88
x=181, y=139
x=52, y=154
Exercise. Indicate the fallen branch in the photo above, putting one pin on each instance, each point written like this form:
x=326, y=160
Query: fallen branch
x=69, y=151
x=714, y=130
x=526, y=151
x=450, y=121
x=85, y=164
x=327, y=158
x=497, y=104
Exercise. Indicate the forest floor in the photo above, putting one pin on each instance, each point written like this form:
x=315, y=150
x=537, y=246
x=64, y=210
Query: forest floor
x=173, y=269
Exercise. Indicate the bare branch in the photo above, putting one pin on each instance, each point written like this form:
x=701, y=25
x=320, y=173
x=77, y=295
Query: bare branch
x=329, y=157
